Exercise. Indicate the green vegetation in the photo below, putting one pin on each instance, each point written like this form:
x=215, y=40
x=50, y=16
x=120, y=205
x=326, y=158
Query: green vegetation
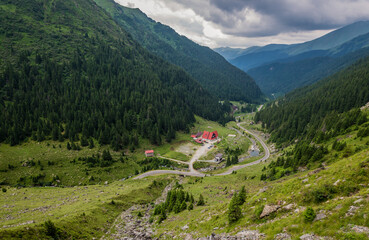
x=320, y=111
x=211, y=70
x=309, y=214
x=116, y=92
x=78, y=212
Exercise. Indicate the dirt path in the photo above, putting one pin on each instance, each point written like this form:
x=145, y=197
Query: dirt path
x=129, y=226
x=175, y=160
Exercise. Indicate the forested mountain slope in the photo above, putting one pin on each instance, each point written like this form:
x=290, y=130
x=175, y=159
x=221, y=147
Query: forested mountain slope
x=213, y=72
x=312, y=113
x=69, y=71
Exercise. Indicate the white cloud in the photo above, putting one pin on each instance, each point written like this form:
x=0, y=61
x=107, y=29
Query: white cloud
x=243, y=23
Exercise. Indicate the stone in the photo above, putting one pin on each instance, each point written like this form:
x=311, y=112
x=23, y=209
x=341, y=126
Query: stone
x=320, y=216
x=358, y=201
x=309, y=237
x=269, y=209
x=336, y=182
x=185, y=227
x=289, y=207
x=359, y=229
x=305, y=180
x=282, y=236
x=352, y=210
x=250, y=235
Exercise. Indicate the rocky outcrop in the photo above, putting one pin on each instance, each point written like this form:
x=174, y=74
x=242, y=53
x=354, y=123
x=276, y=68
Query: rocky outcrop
x=269, y=209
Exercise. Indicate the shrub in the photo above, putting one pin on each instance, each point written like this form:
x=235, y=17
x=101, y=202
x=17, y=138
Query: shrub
x=4, y=189
x=309, y=214
x=51, y=230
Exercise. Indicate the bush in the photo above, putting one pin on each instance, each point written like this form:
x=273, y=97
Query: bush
x=201, y=201
x=51, y=230
x=309, y=214
x=4, y=190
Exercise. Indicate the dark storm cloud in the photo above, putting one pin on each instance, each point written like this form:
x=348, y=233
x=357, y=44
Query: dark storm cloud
x=253, y=18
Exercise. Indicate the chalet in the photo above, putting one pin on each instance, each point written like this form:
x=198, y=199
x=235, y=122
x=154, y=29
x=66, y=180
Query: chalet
x=149, y=153
x=210, y=135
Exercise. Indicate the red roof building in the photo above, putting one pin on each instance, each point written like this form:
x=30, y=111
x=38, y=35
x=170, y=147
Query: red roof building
x=149, y=153
x=210, y=135
x=205, y=135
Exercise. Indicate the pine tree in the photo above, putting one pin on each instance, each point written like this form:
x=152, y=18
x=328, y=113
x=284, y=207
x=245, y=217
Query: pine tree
x=183, y=206
x=242, y=196
x=91, y=143
x=68, y=146
x=190, y=206
x=234, y=210
x=84, y=141
x=201, y=201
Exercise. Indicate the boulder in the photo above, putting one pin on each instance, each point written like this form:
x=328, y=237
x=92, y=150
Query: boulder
x=250, y=235
x=269, y=209
x=282, y=236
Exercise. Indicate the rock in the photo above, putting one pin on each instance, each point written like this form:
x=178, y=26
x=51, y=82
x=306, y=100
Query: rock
x=305, y=180
x=263, y=189
x=336, y=182
x=359, y=229
x=282, y=236
x=309, y=237
x=352, y=210
x=268, y=209
x=338, y=207
x=188, y=237
x=320, y=216
x=358, y=201
x=315, y=171
x=185, y=227
x=289, y=207
x=106, y=183
x=250, y=235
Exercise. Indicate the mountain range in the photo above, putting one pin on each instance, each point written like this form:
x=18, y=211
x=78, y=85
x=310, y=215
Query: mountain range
x=281, y=68
x=210, y=69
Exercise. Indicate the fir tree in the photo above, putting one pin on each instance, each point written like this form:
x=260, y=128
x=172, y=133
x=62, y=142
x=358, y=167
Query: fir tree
x=234, y=210
x=201, y=201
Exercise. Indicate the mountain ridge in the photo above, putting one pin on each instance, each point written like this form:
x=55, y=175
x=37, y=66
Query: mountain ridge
x=208, y=67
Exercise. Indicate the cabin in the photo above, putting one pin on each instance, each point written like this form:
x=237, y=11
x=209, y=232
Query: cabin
x=149, y=153
x=210, y=135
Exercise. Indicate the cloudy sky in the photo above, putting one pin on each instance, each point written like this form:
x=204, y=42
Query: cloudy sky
x=244, y=23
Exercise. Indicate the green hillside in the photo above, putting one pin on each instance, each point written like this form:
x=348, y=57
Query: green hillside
x=68, y=71
x=212, y=71
x=312, y=113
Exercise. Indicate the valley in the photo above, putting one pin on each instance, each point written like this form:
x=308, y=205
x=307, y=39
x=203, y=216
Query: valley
x=114, y=125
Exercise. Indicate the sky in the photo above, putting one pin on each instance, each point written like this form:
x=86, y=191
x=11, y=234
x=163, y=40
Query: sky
x=245, y=23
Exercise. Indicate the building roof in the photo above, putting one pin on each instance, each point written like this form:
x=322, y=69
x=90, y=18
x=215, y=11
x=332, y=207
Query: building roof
x=193, y=136
x=149, y=151
x=198, y=134
x=210, y=135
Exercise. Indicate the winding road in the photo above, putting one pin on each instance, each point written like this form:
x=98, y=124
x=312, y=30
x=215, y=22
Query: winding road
x=203, y=150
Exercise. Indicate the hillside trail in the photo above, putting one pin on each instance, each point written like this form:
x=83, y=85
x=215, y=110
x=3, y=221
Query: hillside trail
x=128, y=225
